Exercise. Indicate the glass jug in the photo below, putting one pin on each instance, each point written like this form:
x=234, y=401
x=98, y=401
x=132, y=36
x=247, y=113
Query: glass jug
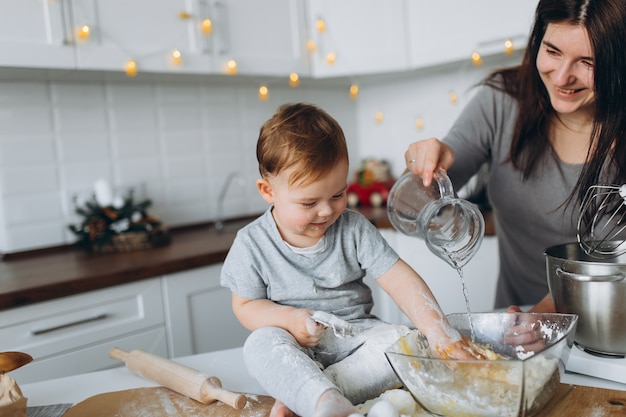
x=452, y=228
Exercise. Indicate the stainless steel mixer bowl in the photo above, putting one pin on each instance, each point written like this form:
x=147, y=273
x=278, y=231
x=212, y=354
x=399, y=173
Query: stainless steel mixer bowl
x=595, y=290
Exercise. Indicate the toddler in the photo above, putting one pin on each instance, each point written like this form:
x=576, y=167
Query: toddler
x=307, y=253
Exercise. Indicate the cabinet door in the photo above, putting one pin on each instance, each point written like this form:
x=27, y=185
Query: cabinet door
x=34, y=33
x=480, y=277
x=91, y=358
x=198, y=313
x=366, y=36
x=264, y=37
x=451, y=30
x=147, y=32
x=71, y=335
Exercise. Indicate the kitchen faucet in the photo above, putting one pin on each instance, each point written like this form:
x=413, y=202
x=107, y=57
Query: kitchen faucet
x=233, y=176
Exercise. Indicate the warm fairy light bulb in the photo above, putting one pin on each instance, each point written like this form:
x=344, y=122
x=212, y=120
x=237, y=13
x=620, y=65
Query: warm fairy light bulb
x=419, y=123
x=311, y=46
x=131, y=68
x=231, y=67
x=264, y=93
x=207, y=26
x=320, y=24
x=453, y=97
x=176, y=57
x=477, y=60
x=83, y=32
x=354, y=91
x=508, y=47
x=294, y=79
x=184, y=15
x=379, y=117
x=331, y=57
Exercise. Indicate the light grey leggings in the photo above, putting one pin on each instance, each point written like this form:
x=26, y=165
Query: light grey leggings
x=298, y=376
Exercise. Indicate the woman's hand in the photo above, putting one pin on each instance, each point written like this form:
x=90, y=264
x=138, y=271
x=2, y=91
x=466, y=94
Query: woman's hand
x=426, y=156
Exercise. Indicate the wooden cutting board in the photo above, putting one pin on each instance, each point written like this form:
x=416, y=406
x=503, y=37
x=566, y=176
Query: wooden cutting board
x=568, y=401
x=163, y=402
x=577, y=400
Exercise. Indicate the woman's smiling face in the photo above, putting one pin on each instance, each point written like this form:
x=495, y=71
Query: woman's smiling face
x=565, y=64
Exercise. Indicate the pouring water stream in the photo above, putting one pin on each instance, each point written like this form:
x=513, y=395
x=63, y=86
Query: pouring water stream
x=452, y=228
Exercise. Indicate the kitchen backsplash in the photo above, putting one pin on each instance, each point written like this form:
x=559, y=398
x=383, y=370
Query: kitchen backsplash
x=176, y=142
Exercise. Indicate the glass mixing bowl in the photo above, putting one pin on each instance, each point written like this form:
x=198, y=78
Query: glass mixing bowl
x=519, y=382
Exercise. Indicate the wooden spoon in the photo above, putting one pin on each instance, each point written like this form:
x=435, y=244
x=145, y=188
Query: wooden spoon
x=13, y=360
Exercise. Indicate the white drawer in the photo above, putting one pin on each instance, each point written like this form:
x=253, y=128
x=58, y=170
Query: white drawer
x=52, y=327
x=91, y=358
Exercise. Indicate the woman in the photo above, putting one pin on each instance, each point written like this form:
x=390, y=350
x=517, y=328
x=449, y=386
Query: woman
x=548, y=129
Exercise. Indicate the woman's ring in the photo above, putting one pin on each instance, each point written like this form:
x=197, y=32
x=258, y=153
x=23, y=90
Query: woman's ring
x=411, y=161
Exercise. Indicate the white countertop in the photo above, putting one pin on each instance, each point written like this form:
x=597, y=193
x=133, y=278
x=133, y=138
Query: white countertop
x=227, y=365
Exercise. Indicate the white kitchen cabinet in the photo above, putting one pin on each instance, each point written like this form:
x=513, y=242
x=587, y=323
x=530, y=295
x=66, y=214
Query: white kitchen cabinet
x=264, y=37
x=451, y=30
x=147, y=32
x=480, y=276
x=199, y=314
x=72, y=335
x=365, y=36
x=35, y=34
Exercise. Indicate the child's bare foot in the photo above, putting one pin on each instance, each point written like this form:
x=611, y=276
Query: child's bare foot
x=280, y=410
x=333, y=404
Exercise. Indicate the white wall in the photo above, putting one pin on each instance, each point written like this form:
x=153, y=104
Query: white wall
x=173, y=141
x=404, y=98
x=176, y=140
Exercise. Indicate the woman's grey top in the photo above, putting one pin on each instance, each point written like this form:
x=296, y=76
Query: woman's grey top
x=531, y=215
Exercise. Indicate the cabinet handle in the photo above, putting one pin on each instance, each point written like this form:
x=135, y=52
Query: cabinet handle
x=67, y=21
x=222, y=39
x=204, y=10
x=70, y=324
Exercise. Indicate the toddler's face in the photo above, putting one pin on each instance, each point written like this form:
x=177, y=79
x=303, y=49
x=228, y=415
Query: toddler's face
x=303, y=213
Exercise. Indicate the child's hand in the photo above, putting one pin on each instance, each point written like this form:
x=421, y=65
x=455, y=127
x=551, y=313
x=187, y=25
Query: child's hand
x=306, y=331
x=460, y=349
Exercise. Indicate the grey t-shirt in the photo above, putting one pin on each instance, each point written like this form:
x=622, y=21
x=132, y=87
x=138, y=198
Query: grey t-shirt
x=530, y=215
x=260, y=265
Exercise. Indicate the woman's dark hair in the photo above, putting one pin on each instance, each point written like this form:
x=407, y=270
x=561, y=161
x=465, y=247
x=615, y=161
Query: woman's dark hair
x=605, y=22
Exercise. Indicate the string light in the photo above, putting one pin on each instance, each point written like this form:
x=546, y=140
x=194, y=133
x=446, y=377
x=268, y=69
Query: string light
x=131, y=69
x=311, y=46
x=453, y=97
x=379, y=117
x=176, y=57
x=419, y=123
x=331, y=57
x=231, y=67
x=264, y=93
x=83, y=32
x=184, y=15
x=508, y=47
x=354, y=91
x=320, y=24
x=294, y=80
x=207, y=26
x=477, y=60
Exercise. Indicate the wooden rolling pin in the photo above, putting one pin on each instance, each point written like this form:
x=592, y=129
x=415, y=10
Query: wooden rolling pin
x=178, y=377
